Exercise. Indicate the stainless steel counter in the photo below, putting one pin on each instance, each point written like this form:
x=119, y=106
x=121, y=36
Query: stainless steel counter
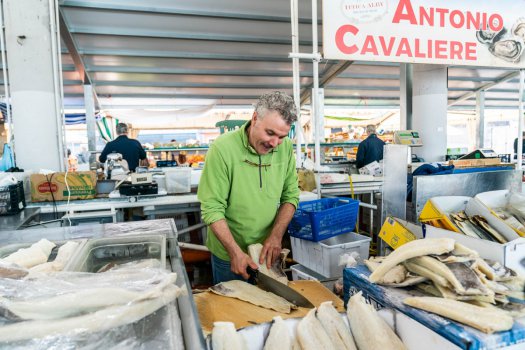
x=16, y=221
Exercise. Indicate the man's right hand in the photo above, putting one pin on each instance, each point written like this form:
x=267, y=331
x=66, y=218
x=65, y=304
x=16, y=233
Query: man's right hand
x=239, y=262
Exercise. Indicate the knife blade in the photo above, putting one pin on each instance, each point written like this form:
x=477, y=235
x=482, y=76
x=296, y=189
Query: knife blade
x=271, y=285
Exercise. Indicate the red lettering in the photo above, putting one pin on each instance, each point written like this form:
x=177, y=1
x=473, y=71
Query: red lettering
x=418, y=52
x=404, y=48
x=484, y=24
x=442, y=13
x=456, y=49
x=473, y=23
x=426, y=16
x=440, y=49
x=495, y=22
x=429, y=47
x=387, y=50
x=470, y=51
x=409, y=15
x=340, y=39
x=454, y=16
x=369, y=46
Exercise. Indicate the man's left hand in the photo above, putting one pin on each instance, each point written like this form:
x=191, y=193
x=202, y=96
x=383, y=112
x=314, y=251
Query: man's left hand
x=270, y=251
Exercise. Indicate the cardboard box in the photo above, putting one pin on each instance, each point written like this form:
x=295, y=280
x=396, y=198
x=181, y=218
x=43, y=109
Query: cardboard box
x=46, y=188
x=396, y=232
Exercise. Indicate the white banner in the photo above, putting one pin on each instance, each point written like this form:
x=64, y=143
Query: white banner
x=467, y=32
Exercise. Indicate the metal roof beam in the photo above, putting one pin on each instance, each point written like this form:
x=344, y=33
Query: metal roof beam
x=484, y=87
x=68, y=39
x=186, y=71
x=156, y=9
x=120, y=83
x=327, y=76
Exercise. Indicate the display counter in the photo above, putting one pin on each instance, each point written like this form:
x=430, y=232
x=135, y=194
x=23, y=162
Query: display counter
x=192, y=337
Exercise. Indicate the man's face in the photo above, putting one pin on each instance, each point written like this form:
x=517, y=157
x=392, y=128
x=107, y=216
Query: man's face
x=267, y=133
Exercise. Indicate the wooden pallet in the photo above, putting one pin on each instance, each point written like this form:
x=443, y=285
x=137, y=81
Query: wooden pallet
x=473, y=163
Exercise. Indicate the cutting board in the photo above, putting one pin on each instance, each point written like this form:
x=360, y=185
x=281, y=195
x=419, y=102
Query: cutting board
x=212, y=307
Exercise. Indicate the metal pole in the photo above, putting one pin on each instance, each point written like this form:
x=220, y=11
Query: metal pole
x=6, y=81
x=315, y=99
x=296, y=79
x=519, y=151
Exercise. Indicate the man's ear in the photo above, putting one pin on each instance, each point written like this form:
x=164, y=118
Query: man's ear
x=254, y=117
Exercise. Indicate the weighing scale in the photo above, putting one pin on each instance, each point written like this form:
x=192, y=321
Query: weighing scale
x=409, y=138
x=481, y=154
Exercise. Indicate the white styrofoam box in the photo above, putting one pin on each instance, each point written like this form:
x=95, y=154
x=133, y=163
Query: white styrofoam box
x=178, y=179
x=450, y=204
x=499, y=199
x=161, y=181
x=323, y=256
x=476, y=207
x=300, y=272
x=509, y=254
x=195, y=176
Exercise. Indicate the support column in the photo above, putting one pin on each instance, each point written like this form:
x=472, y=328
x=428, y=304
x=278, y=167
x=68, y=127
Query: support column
x=430, y=110
x=480, y=119
x=405, y=96
x=33, y=56
x=89, y=104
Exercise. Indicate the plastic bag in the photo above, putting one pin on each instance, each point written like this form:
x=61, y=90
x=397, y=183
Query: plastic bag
x=8, y=160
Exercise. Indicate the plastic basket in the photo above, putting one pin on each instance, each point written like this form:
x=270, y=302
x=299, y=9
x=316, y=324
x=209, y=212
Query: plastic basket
x=12, y=199
x=324, y=218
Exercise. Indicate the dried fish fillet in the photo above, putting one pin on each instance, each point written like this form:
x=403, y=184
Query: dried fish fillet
x=65, y=252
x=486, y=320
x=78, y=302
x=251, y=294
x=37, y=253
x=425, y=272
x=279, y=337
x=311, y=333
x=335, y=327
x=10, y=270
x=461, y=250
x=410, y=279
x=276, y=271
x=370, y=331
x=410, y=250
x=225, y=337
x=101, y=320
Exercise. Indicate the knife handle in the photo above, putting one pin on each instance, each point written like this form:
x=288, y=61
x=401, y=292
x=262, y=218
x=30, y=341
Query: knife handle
x=253, y=275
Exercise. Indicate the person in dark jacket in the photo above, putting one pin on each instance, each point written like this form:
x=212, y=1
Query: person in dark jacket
x=130, y=149
x=371, y=149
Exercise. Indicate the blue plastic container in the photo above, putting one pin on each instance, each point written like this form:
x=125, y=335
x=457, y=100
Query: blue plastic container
x=324, y=218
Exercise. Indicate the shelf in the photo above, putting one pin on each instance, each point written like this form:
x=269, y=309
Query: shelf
x=171, y=149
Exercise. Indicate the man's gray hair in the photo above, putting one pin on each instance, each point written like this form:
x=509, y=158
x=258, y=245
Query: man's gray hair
x=370, y=129
x=122, y=128
x=277, y=101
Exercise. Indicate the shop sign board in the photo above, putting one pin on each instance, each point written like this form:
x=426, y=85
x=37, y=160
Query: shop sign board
x=468, y=32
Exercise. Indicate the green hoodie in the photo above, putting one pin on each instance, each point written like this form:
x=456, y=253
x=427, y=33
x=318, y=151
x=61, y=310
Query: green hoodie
x=245, y=188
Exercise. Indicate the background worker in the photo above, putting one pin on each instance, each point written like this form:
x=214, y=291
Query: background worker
x=248, y=189
x=130, y=149
x=371, y=149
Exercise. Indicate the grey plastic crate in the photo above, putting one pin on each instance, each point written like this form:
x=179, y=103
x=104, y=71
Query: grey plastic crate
x=323, y=256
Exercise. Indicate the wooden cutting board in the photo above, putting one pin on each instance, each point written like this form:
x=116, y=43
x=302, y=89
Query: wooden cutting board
x=212, y=307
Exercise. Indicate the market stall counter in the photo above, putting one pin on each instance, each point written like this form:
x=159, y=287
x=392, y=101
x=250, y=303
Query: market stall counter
x=111, y=285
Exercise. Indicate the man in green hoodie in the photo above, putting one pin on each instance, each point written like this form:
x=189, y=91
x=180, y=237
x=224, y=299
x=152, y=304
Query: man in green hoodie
x=248, y=189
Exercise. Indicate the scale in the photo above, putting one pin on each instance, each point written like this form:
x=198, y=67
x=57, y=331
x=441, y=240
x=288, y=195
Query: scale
x=409, y=138
x=481, y=154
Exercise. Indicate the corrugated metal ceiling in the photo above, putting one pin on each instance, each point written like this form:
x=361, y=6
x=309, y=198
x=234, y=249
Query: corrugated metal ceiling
x=163, y=53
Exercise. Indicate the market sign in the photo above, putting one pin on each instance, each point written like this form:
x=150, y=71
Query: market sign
x=468, y=32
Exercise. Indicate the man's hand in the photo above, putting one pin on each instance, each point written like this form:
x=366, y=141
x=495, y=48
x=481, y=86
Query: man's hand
x=239, y=262
x=270, y=251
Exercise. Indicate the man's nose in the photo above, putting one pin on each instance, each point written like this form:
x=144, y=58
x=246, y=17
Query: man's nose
x=274, y=141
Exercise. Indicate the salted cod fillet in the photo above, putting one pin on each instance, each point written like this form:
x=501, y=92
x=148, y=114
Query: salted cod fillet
x=335, y=327
x=225, y=337
x=370, y=331
x=410, y=250
x=251, y=294
x=38, y=253
x=78, y=302
x=486, y=320
x=276, y=271
x=101, y=320
x=409, y=280
x=311, y=333
x=65, y=252
x=279, y=337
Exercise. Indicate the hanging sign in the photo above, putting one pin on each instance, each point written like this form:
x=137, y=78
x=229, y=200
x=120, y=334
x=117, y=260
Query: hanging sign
x=468, y=32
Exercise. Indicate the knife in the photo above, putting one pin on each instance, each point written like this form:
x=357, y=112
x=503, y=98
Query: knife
x=271, y=285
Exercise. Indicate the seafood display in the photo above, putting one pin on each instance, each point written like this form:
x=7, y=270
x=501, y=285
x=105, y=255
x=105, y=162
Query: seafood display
x=36, y=254
x=465, y=287
x=321, y=328
x=251, y=294
x=476, y=226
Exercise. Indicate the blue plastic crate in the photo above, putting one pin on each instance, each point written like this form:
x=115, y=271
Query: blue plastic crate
x=324, y=218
